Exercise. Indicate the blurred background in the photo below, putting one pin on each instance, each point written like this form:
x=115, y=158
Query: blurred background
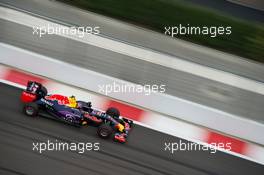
x=244, y=16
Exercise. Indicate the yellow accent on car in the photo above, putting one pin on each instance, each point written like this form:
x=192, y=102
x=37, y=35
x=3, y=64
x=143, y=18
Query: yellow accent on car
x=72, y=102
x=121, y=127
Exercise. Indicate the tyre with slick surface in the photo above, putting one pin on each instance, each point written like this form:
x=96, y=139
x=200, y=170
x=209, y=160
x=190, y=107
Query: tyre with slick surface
x=31, y=109
x=113, y=112
x=104, y=131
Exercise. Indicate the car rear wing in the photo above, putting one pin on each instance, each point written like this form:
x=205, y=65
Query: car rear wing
x=33, y=91
x=33, y=87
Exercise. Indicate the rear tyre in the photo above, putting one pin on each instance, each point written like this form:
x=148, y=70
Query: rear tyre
x=104, y=131
x=31, y=109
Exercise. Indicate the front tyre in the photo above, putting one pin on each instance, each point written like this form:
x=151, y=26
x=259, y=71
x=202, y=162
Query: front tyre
x=31, y=109
x=104, y=131
x=113, y=112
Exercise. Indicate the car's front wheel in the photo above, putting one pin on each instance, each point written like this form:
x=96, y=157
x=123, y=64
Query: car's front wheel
x=104, y=131
x=31, y=109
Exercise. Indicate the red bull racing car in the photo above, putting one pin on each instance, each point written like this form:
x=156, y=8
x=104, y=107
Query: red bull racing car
x=37, y=102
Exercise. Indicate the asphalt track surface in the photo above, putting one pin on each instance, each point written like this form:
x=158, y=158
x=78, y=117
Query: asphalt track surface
x=135, y=35
x=183, y=85
x=142, y=154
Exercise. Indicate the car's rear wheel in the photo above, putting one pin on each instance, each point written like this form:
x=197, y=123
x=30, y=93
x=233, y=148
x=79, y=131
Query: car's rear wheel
x=31, y=109
x=104, y=131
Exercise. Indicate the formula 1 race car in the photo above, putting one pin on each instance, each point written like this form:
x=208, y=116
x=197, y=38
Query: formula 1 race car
x=67, y=109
